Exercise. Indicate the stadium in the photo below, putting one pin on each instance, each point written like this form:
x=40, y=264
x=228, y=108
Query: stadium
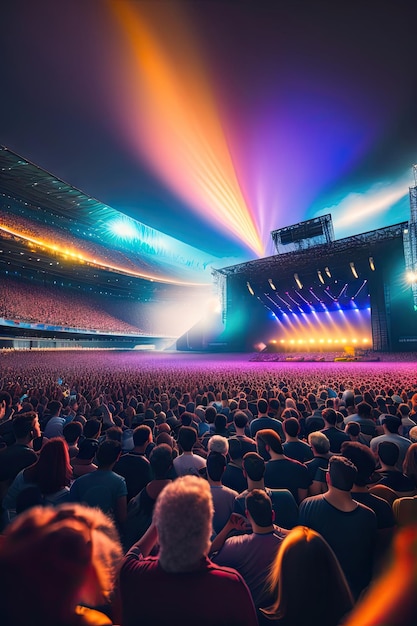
x=208, y=313
x=102, y=280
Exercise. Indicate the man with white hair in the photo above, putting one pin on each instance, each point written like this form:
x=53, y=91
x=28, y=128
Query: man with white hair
x=192, y=589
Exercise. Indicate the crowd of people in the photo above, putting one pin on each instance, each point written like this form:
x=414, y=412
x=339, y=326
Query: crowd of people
x=156, y=488
x=39, y=304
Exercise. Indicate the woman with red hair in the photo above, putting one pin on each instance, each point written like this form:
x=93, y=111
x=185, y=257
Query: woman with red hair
x=46, y=481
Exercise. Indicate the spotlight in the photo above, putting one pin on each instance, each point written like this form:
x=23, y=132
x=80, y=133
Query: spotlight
x=298, y=281
x=411, y=277
x=328, y=272
x=320, y=275
x=353, y=268
x=251, y=291
x=371, y=263
x=272, y=284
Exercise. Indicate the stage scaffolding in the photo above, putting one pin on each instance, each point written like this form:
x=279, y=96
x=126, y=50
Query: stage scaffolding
x=363, y=249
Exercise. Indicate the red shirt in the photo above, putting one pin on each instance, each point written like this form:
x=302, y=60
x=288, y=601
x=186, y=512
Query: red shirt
x=207, y=596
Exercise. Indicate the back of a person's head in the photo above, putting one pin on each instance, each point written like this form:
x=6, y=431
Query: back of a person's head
x=220, y=422
x=23, y=424
x=216, y=464
x=254, y=466
x=362, y=458
x=52, y=471
x=319, y=441
x=141, y=435
x=149, y=414
x=364, y=410
x=235, y=448
x=291, y=426
x=50, y=555
x=240, y=419
x=288, y=412
x=330, y=416
x=87, y=449
x=92, y=429
x=270, y=438
x=243, y=404
x=304, y=551
x=403, y=410
x=353, y=429
x=115, y=433
x=274, y=405
x=161, y=461
x=210, y=414
x=183, y=518
x=187, y=438
x=342, y=473
x=108, y=452
x=388, y=452
x=72, y=431
x=391, y=422
x=219, y=444
x=262, y=405
x=259, y=506
x=54, y=407
x=187, y=418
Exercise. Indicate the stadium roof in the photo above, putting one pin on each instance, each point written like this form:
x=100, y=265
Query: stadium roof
x=42, y=208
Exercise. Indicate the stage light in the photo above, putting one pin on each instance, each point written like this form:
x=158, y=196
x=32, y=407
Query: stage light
x=298, y=281
x=292, y=341
x=328, y=273
x=282, y=341
x=411, y=277
x=272, y=284
x=353, y=269
x=251, y=291
x=371, y=263
x=320, y=275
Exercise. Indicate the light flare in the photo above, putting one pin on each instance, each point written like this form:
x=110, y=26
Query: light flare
x=169, y=116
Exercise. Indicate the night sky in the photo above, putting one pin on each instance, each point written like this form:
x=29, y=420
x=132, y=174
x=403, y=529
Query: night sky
x=218, y=121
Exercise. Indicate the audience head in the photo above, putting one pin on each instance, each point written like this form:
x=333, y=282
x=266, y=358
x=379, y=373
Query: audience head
x=108, y=453
x=291, y=426
x=319, y=442
x=362, y=458
x=56, y=558
x=254, y=466
x=183, y=517
x=388, y=453
x=142, y=435
x=216, y=464
x=160, y=459
x=219, y=444
x=92, y=429
x=26, y=426
x=240, y=419
x=341, y=473
x=326, y=595
x=187, y=438
x=391, y=423
x=259, y=508
x=268, y=438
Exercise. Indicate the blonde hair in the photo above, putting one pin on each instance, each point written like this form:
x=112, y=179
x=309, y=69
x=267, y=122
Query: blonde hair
x=52, y=556
x=326, y=594
x=183, y=517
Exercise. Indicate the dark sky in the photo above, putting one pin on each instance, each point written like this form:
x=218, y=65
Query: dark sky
x=216, y=121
